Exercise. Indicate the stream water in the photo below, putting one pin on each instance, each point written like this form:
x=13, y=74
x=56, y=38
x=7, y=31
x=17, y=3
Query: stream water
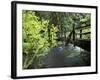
x=67, y=56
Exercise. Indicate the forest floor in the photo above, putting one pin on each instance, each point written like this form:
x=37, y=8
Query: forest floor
x=65, y=56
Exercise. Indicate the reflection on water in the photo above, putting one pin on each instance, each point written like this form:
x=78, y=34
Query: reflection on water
x=67, y=56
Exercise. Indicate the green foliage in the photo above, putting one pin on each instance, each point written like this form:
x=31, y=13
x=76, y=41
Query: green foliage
x=35, y=38
x=53, y=35
x=40, y=29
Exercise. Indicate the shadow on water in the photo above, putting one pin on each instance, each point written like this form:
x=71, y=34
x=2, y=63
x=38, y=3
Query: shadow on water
x=66, y=56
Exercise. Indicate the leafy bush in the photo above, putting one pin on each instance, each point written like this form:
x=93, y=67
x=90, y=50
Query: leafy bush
x=35, y=39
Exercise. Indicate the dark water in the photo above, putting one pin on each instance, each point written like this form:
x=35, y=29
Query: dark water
x=66, y=56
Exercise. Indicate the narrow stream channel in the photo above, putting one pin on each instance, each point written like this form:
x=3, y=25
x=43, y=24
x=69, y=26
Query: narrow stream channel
x=67, y=56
